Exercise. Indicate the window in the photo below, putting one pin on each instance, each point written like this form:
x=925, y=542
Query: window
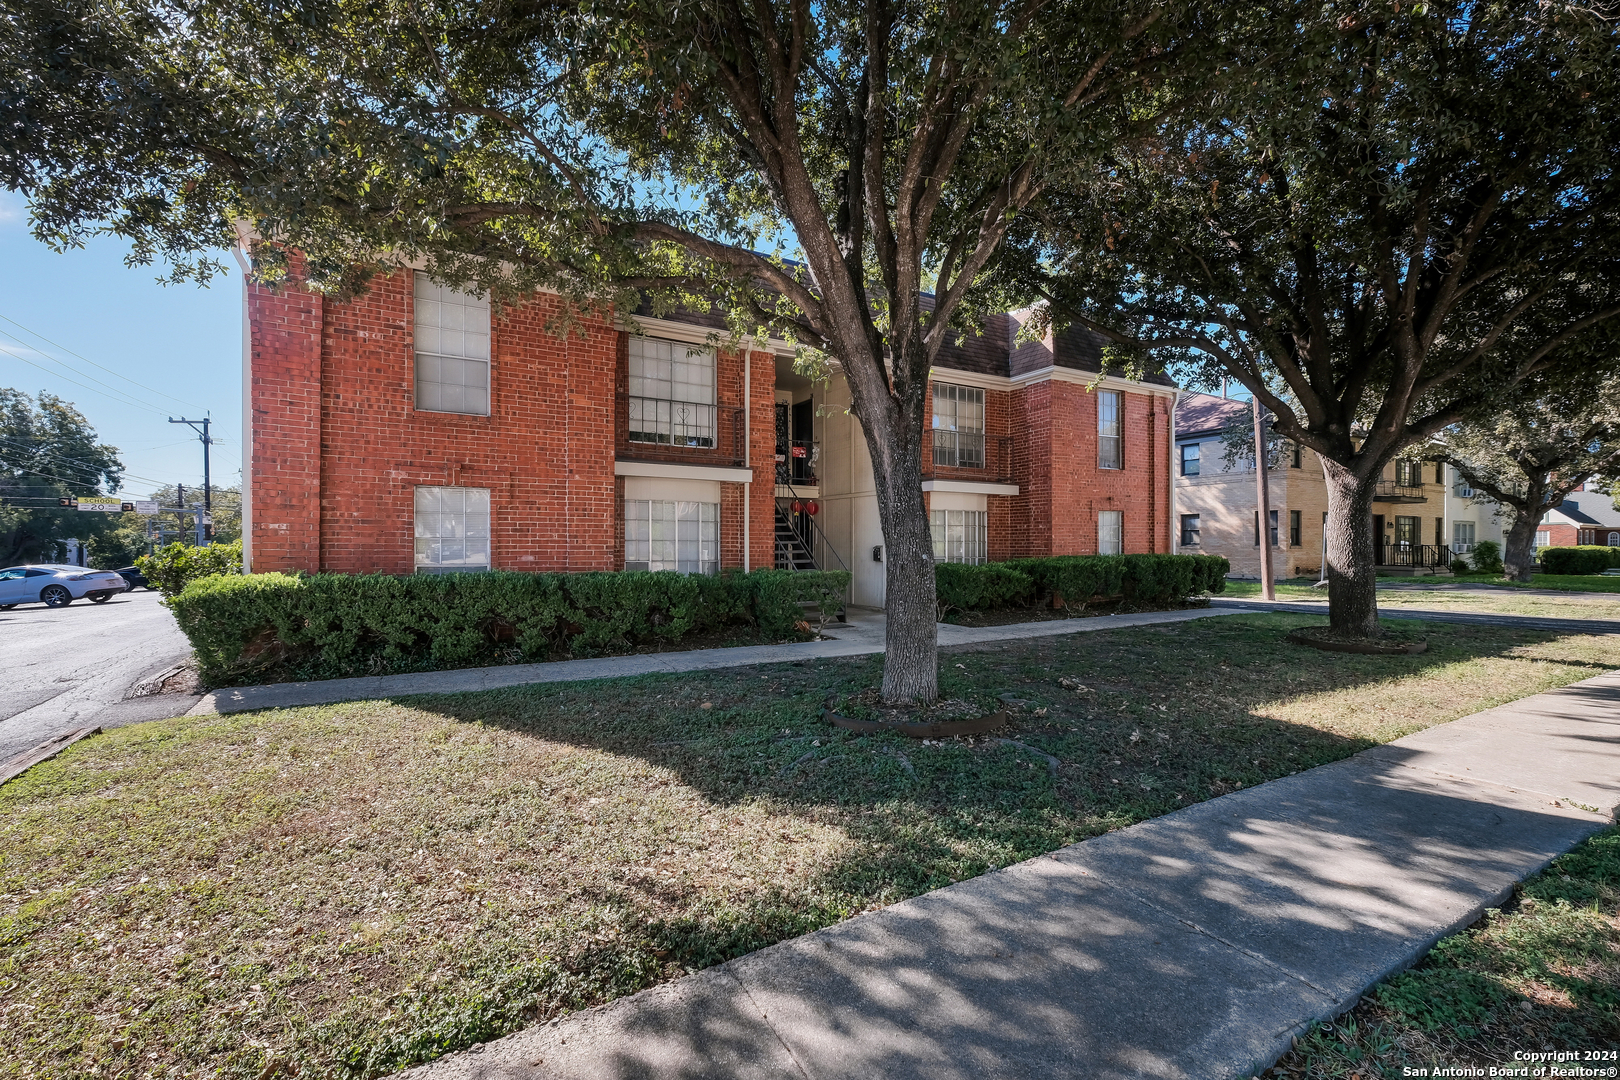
x=663, y=535
x=1296, y=456
x=671, y=393
x=1408, y=473
x=452, y=350
x=1109, y=451
x=1295, y=529
x=1462, y=537
x=1273, y=528
x=958, y=426
x=1439, y=532
x=1408, y=533
x=1440, y=473
x=452, y=529
x=1189, y=459
x=959, y=535
x=1110, y=532
x=1543, y=538
x=1189, y=530
x=1460, y=486
x=1614, y=539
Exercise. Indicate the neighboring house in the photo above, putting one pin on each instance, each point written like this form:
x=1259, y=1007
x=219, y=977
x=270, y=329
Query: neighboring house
x=1218, y=509
x=1473, y=517
x=1585, y=517
x=409, y=431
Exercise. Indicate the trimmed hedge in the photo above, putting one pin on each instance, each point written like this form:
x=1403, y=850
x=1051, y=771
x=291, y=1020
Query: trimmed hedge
x=1585, y=559
x=250, y=628
x=174, y=566
x=1076, y=580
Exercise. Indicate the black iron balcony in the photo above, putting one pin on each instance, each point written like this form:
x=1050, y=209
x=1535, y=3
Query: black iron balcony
x=1397, y=492
x=1413, y=555
x=969, y=454
x=683, y=425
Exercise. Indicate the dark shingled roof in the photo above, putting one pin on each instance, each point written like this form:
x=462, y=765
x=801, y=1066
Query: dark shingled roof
x=1200, y=414
x=1590, y=508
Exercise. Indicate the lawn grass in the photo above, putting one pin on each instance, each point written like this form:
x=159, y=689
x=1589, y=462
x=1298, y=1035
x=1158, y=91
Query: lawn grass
x=346, y=890
x=1439, y=593
x=1542, y=974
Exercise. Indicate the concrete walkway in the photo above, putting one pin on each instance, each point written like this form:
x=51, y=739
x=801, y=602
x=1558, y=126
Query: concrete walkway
x=861, y=636
x=1529, y=622
x=1190, y=946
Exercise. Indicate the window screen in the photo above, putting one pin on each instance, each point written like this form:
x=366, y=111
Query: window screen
x=671, y=393
x=452, y=350
x=959, y=535
x=958, y=426
x=1110, y=532
x=1109, y=452
x=681, y=536
x=452, y=529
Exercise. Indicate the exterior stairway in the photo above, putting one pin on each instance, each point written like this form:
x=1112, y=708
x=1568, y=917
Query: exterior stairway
x=792, y=553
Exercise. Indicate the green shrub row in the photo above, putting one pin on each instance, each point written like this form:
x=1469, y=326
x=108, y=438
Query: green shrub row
x=1076, y=580
x=257, y=627
x=1585, y=559
x=174, y=566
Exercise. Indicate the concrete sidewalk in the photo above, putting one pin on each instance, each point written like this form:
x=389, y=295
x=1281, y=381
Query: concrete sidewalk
x=1194, y=945
x=861, y=636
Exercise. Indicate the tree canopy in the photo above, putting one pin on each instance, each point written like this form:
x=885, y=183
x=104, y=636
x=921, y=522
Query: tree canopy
x=48, y=451
x=610, y=152
x=1412, y=210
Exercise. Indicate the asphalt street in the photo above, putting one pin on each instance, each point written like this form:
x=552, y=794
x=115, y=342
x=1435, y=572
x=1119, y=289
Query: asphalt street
x=62, y=668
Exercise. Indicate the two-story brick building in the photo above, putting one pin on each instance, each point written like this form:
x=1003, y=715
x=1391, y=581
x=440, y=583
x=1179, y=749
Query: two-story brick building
x=414, y=430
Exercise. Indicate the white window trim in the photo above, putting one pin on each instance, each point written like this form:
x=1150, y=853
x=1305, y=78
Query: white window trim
x=475, y=530
x=468, y=303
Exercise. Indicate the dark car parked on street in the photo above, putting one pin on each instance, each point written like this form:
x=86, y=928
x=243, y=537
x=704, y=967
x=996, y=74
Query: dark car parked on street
x=136, y=579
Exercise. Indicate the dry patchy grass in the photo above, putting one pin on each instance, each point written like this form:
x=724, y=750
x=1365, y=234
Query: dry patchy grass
x=343, y=891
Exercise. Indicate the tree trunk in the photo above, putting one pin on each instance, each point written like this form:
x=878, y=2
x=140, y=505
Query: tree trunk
x=1352, y=573
x=1518, y=548
x=911, y=637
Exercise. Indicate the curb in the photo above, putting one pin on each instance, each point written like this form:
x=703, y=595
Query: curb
x=44, y=752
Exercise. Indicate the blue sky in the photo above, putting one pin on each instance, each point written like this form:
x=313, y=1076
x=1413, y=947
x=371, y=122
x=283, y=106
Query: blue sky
x=160, y=340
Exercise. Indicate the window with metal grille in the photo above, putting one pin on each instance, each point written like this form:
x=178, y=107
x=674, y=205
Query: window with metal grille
x=452, y=349
x=959, y=535
x=1110, y=453
x=671, y=393
x=681, y=536
x=452, y=529
x=1110, y=532
x=958, y=426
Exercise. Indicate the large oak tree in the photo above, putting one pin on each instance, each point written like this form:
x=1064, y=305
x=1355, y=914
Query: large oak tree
x=1413, y=210
x=608, y=151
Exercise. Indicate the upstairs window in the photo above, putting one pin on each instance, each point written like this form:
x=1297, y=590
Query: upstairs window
x=1110, y=454
x=1408, y=473
x=452, y=350
x=671, y=393
x=1190, y=459
x=958, y=426
x=452, y=529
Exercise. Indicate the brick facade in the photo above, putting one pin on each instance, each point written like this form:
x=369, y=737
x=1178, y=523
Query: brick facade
x=338, y=447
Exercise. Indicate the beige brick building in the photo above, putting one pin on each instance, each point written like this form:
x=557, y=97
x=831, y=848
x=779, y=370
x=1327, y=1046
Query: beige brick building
x=1217, y=511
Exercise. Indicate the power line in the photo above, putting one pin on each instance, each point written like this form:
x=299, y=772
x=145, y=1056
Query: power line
x=91, y=362
x=80, y=464
x=123, y=399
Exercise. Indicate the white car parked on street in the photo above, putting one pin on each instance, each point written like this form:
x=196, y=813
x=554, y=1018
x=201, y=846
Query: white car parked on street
x=56, y=586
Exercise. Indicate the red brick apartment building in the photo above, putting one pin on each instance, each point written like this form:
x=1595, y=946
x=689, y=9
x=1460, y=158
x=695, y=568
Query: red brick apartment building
x=409, y=430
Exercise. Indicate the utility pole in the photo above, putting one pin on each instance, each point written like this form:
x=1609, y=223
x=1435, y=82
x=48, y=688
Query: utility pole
x=1263, y=491
x=207, y=530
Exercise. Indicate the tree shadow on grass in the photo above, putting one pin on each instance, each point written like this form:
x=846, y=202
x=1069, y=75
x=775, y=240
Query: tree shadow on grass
x=1163, y=718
